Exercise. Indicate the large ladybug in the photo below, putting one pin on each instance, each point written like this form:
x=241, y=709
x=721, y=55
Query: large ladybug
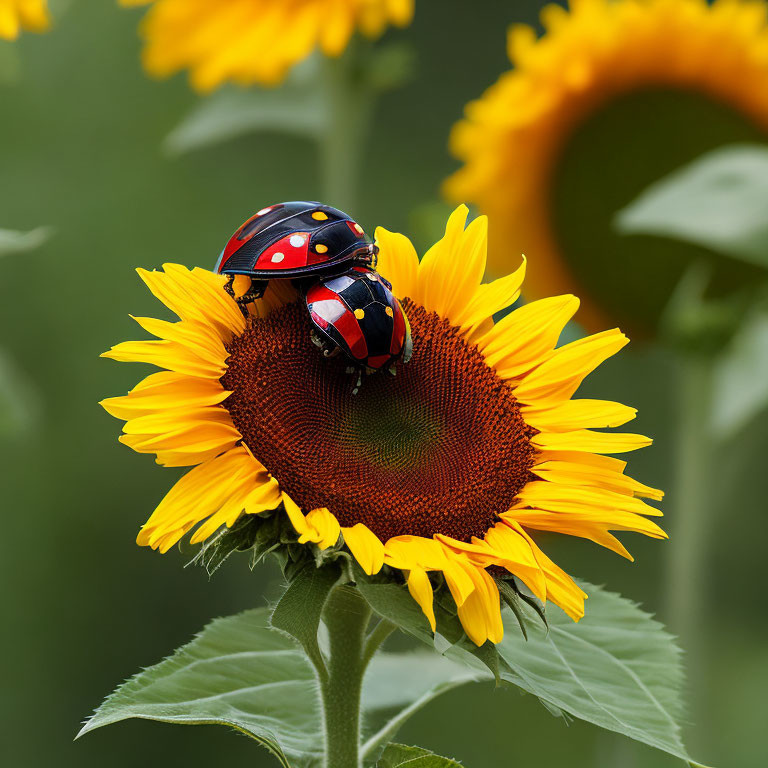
x=332, y=262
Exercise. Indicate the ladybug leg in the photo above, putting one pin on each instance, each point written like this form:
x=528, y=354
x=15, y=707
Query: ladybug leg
x=359, y=382
x=325, y=347
x=254, y=292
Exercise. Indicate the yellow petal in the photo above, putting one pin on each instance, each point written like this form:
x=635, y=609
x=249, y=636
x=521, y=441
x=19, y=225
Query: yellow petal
x=166, y=354
x=397, y=262
x=198, y=495
x=365, y=547
x=489, y=299
x=170, y=391
x=570, y=472
x=297, y=519
x=480, y=614
x=527, y=336
x=199, y=339
x=326, y=525
x=421, y=591
x=451, y=270
x=578, y=414
x=591, y=442
x=558, y=377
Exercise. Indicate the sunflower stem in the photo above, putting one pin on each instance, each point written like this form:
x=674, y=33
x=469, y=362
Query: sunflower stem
x=349, y=101
x=690, y=516
x=346, y=616
x=375, y=639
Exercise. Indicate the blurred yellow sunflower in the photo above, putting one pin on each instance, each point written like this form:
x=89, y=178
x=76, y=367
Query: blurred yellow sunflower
x=16, y=15
x=450, y=466
x=255, y=41
x=613, y=95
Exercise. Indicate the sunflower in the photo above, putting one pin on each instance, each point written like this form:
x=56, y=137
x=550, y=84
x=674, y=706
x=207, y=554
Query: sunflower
x=16, y=15
x=449, y=467
x=614, y=95
x=255, y=41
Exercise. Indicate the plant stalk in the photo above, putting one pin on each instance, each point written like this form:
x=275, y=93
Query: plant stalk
x=346, y=616
x=690, y=519
x=349, y=101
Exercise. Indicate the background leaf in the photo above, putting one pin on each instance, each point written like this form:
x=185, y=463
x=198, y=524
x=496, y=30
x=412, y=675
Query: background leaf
x=230, y=112
x=741, y=378
x=12, y=241
x=400, y=756
x=718, y=201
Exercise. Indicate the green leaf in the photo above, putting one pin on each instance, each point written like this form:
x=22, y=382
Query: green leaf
x=411, y=681
x=400, y=756
x=301, y=605
x=741, y=378
x=242, y=673
x=12, y=241
x=236, y=672
x=616, y=668
x=296, y=109
x=718, y=201
x=392, y=602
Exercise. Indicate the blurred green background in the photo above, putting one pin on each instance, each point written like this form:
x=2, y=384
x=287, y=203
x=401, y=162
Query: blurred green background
x=84, y=607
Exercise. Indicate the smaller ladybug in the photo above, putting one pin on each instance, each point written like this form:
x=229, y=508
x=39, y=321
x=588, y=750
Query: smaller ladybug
x=356, y=313
x=332, y=262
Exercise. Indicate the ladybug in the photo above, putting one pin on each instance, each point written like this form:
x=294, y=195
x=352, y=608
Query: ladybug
x=357, y=313
x=332, y=262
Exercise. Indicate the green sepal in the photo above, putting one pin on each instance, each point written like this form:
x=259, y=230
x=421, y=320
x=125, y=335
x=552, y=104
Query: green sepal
x=257, y=534
x=401, y=756
x=512, y=596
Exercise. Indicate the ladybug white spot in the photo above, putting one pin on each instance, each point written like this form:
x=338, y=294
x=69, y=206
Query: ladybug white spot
x=297, y=241
x=359, y=229
x=373, y=278
x=263, y=211
x=277, y=257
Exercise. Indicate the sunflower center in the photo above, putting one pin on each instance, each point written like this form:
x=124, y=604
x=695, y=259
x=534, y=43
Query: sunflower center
x=439, y=448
